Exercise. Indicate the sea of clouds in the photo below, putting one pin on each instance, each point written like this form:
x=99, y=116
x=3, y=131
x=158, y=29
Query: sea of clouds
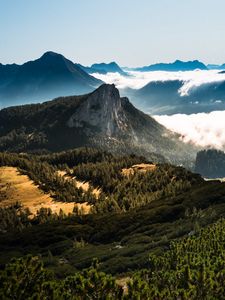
x=204, y=129
x=137, y=80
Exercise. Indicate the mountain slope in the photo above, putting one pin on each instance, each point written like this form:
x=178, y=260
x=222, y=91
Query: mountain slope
x=51, y=75
x=101, y=119
x=121, y=240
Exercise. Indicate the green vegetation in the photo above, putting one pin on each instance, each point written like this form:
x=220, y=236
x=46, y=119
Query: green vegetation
x=119, y=193
x=27, y=279
x=155, y=227
x=123, y=193
x=16, y=218
x=191, y=269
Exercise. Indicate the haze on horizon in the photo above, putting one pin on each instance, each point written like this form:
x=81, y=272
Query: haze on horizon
x=131, y=32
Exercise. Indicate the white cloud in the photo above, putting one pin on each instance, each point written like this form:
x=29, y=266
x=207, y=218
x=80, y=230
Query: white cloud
x=136, y=80
x=203, y=129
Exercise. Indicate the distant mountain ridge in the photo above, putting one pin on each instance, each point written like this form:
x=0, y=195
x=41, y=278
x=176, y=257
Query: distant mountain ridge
x=177, y=65
x=47, y=77
x=104, y=68
x=101, y=119
x=216, y=67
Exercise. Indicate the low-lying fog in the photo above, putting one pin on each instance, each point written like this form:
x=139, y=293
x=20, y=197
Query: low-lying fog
x=136, y=80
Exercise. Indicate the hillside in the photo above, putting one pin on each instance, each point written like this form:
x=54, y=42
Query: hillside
x=101, y=119
x=133, y=216
x=180, y=272
x=51, y=75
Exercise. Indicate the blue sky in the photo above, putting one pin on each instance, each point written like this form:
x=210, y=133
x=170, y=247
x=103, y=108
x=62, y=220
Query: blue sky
x=131, y=32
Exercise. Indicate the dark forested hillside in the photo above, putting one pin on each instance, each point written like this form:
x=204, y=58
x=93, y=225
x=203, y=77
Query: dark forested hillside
x=181, y=272
x=210, y=163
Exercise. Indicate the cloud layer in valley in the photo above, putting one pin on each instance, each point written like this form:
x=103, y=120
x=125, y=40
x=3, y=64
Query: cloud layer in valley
x=203, y=129
x=136, y=80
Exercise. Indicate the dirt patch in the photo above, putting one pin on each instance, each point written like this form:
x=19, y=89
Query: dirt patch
x=142, y=168
x=16, y=187
x=123, y=283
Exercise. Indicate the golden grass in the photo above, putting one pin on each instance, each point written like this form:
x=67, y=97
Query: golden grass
x=17, y=187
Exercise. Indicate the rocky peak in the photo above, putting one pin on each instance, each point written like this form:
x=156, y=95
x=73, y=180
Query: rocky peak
x=106, y=92
x=51, y=54
x=102, y=109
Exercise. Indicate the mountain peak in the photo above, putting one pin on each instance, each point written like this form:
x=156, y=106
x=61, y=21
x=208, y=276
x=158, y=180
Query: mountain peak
x=51, y=54
x=102, y=109
x=107, y=90
x=49, y=76
x=103, y=68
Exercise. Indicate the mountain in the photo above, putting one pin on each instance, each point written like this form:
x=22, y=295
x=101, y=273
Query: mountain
x=103, y=68
x=164, y=97
x=101, y=119
x=178, y=65
x=51, y=75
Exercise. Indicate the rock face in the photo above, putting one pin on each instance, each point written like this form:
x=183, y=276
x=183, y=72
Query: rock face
x=102, y=109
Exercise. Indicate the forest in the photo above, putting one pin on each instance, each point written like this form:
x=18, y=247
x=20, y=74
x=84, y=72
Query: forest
x=192, y=268
x=156, y=231
x=104, y=171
